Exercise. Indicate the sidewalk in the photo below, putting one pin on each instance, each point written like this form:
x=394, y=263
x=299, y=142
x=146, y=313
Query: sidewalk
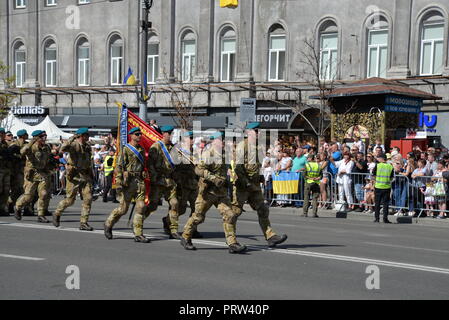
x=356, y=216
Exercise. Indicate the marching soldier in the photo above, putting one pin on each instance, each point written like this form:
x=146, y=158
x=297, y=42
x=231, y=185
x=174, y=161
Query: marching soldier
x=37, y=175
x=186, y=184
x=247, y=185
x=5, y=172
x=161, y=167
x=130, y=175
x=79, y=176
x=313, y=175
x=18, y=167
x=212, y=171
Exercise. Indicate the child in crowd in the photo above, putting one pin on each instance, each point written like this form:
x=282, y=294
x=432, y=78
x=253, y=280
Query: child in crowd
x=429, y=199
x=369, y=196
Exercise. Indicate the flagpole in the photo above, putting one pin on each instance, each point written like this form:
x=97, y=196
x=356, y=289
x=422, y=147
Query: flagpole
x=146, y=25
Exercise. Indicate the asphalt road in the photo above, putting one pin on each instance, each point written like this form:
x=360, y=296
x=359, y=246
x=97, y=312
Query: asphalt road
x=324, y=258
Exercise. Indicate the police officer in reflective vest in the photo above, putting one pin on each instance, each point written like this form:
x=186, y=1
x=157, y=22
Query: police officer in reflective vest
x=108, y=167
x=383, y=175
x=313, y=175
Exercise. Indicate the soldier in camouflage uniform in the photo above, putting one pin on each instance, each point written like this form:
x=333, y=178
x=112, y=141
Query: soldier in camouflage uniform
x=38, y=170
x=18, y=167
x=212, y=171
x=129, y=178
x=247, y=185
x=161, y=167
x=186, y=182
x=5, y=172
x=79, y=176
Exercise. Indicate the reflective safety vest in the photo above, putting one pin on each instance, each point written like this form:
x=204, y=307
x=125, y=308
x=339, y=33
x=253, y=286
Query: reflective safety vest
x=313, y=171
x=383, y=176
x=108, y=169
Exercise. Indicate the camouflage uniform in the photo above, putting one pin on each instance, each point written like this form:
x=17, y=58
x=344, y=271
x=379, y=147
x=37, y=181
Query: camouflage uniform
x=18, y=167
x=79, y=177
x=162, y=184
x=38, y=170
x=5, y=175
x=186, y=190
x=247, y=187
x=212, y=171
x=129, y=178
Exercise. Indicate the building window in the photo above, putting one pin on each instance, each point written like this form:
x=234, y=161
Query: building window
x=227, y=55
x=276, y=54
x=83, y=54
x=50, y=64
x=432, y=51
x=328, y=56
x=21, y=4
x=188, y=57
x=50, y=3
x=116, y=58
x=377, y=53
x=20, y=65
x=153, y=60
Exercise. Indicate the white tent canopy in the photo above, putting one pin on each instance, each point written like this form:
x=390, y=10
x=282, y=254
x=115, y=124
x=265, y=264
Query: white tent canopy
x=54, y=134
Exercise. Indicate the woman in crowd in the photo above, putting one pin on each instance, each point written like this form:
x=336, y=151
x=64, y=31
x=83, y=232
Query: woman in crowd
x=399, y=187
x=371, y=163
x=420, y=176
x=344, y=180
x=440, y=189
x=409, y=168
x=323, y=162
x=284, y=164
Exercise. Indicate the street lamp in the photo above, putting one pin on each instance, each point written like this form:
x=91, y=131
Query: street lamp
x=146, y=26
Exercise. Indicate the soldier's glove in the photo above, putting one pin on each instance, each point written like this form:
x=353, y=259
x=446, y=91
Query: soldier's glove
x=145, y=175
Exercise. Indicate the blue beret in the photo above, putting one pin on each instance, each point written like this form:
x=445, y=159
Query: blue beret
x=188, y=134
x=21, y=132
x=167, y=129
x=306, y=147
x=253, y=125
x=336, y=155
x=2, y=130
x=134, y=130
x=216, y=135
x=37, y=133
x=82, y=131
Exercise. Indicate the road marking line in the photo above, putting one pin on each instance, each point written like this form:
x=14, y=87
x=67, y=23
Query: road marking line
x=20, y=257
x=258, y=248
x=406, y=247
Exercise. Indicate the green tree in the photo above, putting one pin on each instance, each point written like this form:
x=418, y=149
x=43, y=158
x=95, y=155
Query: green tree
x=6, y=96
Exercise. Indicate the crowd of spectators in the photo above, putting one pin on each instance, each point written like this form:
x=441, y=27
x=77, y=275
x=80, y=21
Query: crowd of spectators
x=420, y=186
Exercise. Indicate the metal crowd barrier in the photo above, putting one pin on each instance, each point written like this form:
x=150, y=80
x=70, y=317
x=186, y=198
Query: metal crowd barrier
x=425, y=194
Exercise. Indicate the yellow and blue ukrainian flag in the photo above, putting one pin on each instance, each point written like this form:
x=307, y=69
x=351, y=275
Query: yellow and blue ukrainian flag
x=130, y=79
x=285, y=182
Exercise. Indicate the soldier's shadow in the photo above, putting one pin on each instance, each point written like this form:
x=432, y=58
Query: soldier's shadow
x=304, y=246
x=220, y=235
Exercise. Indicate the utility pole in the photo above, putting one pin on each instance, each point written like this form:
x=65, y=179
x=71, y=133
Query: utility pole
x=146, y=26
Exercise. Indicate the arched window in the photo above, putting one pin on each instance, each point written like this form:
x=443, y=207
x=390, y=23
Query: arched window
x=83, y=62
x=328, y=34
x=153, y=59
x=20, y=64
x=116, y=60
x=276, y=53
x=377, y=50
x=431, y=44
x=50, y=61
x=227, y=55
x=188, y=52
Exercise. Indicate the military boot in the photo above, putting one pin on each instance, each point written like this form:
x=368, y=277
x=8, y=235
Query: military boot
x=237, y=248
x=86, y=227
x=42, y=219
x=107, y=232
x=166, y=226
x=187, y=244
x=4, y=213
x=174, y=235
x=17, y=213
x=275, y=240
x=56, y=220
x=142, y=239
x=27, y=212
